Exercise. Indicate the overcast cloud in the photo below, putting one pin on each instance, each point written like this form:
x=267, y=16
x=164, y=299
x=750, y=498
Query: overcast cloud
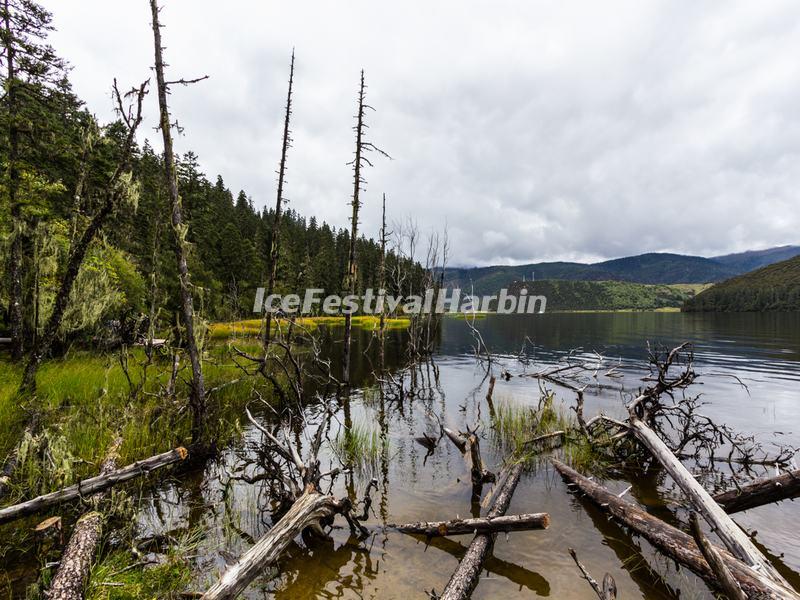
x=533, y=130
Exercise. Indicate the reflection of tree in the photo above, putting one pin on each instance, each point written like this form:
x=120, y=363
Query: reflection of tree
x=514, y=573
x=307, y=572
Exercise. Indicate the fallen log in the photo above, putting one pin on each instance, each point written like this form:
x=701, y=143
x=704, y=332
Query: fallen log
x=736, y=540
x=675, y=543
x=714, y=560
x=73, y=570
x=307, y=511
x=521, y=522
x=758, y=493
x=465, y=577
x=92, y=485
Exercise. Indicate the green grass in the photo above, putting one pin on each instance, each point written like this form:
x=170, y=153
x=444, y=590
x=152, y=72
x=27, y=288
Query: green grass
x=360, y=447
x=254, y=327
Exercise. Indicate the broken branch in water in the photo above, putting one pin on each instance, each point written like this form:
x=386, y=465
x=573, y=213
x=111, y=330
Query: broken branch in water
x=523, y=522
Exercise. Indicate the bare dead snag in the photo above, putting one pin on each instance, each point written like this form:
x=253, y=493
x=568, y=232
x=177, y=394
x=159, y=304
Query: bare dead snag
x=179, y=228
x=729, y=532
x=726, y=581
x=759, y=493
x=523, y=522
x=275, y=232
x=606, y=591
x=673, y=542
x=466, y=576
x=73, y=570
x=92, y=485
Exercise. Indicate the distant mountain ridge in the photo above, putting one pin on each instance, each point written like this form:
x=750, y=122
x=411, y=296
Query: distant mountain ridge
x=651, y=268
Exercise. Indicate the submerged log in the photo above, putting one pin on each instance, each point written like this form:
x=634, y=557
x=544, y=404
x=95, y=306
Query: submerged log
x=73, y=570
x=758, y=493
x=736, y=540
x=92, y=485
x=675, y=543
x=307, y=511
x=465, y=577
x=521, y=522
x=726, y=581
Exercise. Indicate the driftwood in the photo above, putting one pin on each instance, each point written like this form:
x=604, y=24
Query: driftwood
x=605, y=591
x=736, y=540
x=675, y=543
x=521, y=522
x=714, y=560
x=307, y=511
x=758, y=493
x=92, y=485
x=465, y=577
x=73, y=570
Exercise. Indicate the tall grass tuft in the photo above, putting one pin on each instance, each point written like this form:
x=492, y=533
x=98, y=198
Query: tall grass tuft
x=360, y=447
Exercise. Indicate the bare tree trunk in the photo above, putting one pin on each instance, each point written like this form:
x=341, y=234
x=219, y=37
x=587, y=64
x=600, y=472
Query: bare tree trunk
x=382, y=289
x=274, y=241
x=523, y=522
x=307, y=511
x=73, y=571
x=351, y=278
x=198, y=393
x=729, y=532
x=758, y=493
x=15, y=255
x=92, y=485
x=465, y=577
x=673, y=542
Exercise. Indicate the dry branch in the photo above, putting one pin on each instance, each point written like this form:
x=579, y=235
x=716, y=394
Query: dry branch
x=673, y=542
x=724, y=577
x=523, y=522
x=605, y=591
x=758, y=493
x=92, y=485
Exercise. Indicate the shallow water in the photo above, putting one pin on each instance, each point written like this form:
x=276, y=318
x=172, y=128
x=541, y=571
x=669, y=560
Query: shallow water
x=762, y=350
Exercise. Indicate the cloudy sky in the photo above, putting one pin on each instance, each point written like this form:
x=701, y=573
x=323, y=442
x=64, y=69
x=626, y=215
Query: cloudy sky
x=531, y=130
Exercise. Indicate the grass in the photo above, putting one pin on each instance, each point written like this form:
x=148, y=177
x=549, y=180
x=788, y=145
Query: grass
x=360, y=447
x=254, y=327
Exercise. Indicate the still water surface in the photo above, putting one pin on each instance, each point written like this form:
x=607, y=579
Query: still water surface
x=762, y=350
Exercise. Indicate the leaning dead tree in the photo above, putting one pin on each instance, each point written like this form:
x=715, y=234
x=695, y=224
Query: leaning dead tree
x=72, y=575
x=363, y=148
x=197, y=399
x=117, y=188
x=275, y=232
x=301, y=504
x=675, y=543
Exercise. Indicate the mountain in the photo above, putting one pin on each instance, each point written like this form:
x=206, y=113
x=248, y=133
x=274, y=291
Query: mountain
x=755, y=259
x=653, y=268
x=605, y=295
x=774, y=287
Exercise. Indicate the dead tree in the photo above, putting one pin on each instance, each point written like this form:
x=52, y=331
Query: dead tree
x=275, y=232
x=502, y=524
x=114, y=191
x=466, y=576
x=179, y=228
x=382, y=290
x=72, y=575
x=360, y=161
x=92, y=485
x=758, y=493
x=673, y=542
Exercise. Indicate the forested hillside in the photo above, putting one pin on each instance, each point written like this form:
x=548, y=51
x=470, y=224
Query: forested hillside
x=605, y=295
x=775, y=287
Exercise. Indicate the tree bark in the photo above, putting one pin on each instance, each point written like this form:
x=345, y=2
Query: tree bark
x=92, y=485
x=729, y=532
x=523, y=522
x=73, y=570
x=714, y=560
x=198, y=393
x=758, y=493
x=466, y=576
x=305, y=512
x=675, y=543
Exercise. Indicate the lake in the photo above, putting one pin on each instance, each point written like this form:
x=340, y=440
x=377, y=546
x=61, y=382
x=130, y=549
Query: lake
x=759, y=351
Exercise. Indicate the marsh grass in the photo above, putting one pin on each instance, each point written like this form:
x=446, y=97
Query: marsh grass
x=250, y=328
x=360, y=447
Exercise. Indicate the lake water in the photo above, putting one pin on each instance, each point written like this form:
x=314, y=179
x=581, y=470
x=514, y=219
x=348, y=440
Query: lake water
x=763, y=351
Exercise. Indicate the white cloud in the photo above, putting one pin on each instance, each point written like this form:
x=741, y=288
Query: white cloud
x=534, y=130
